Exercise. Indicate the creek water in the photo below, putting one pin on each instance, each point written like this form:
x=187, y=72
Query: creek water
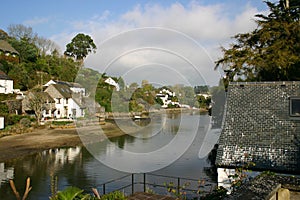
x=59, y=168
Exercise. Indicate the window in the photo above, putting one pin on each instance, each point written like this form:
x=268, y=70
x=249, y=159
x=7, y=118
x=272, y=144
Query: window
x=67, y=100
x=295, y=107
x=58, y=101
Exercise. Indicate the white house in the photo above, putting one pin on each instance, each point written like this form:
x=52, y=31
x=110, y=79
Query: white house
x=6, y=84
x=112, y=82
x=67, y=103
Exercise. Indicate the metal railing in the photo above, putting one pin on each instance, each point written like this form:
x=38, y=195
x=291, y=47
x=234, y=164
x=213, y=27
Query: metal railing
x=146, y=180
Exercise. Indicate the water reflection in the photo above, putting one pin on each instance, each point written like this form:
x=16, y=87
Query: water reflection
x=6, y=173
x=62, y=167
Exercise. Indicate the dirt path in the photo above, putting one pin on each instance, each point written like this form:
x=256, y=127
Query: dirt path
x=14, y=146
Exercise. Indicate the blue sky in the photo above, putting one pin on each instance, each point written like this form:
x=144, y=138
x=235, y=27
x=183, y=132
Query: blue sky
x=50, y=17
x=209, y=23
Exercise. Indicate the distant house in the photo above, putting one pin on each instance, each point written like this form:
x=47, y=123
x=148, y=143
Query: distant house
x=7, y=52
x=166, y=97
x=68, y=104
x=6, y=84
x=262, y=125
x=112, y=82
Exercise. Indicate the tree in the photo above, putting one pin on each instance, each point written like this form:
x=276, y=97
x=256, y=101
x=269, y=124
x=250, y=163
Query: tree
x=37, y=102
x=80, y=46
x=21, y=32
x=271, y=51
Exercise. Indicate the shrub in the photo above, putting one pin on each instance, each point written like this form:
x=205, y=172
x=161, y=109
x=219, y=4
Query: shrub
x=25, y=122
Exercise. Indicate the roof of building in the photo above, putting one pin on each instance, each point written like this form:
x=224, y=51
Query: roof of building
x=64, y=90
x=4, y=76
x=44, y=95
x=258, y=127
x=265, y=186
x=6, y=47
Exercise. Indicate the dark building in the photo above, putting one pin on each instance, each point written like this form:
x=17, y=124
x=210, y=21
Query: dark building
x=262, y=125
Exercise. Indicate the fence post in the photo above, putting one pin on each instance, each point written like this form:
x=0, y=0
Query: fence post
x=178, y=185
x=103, y=188
x=132, y=183
x=144, y=182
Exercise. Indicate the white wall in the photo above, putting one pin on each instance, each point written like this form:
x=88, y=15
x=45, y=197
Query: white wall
x=6, y=86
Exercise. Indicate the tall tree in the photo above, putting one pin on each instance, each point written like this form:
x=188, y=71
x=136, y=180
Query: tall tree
x=271, y=51
x=80, y=46
x=21, y=32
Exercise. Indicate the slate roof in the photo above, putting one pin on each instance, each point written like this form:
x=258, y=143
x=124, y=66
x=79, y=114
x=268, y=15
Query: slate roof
x=70, y=84
x=64, y=90
x=258, y=127
x=6, y=47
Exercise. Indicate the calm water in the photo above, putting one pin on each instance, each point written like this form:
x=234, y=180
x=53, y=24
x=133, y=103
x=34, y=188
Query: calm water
x=59, y=168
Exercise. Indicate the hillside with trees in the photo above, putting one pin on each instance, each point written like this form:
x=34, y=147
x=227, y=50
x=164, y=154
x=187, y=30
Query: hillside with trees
x=39, y=59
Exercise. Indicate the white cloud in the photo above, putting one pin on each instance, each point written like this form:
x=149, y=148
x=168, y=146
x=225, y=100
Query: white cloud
x=36, y=21
x=200, y=32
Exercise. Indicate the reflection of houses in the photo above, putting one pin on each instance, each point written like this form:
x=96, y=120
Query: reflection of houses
x=262, y=125
x=167, y=97
x=67, y=103
x=7, y=52
x=38, y=101
x=6, y=84
x=63, y=155
x=6, y=173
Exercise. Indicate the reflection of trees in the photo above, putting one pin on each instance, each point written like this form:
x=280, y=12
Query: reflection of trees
x=211, y=158
x=121, y=140
x=41, y=167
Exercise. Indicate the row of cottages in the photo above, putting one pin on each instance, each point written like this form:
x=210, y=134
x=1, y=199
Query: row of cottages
x=261, y=126
x=58, y=100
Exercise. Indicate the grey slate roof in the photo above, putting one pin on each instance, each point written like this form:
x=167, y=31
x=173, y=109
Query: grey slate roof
x=258, y=127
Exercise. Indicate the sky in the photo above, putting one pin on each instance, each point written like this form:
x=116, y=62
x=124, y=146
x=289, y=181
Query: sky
x=165, y=42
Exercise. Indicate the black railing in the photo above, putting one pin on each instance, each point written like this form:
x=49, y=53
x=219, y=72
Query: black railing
x=142, y=182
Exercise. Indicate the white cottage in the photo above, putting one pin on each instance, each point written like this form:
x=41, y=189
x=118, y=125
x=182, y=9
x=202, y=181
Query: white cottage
x=6, y=84
x=67, y=104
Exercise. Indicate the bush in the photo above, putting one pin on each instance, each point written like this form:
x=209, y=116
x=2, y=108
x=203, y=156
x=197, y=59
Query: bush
x=114, y=195
x=25, y=122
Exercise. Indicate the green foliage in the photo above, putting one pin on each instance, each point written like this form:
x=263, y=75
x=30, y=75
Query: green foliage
x=74, y=193
x=117, y=195
x=3, y=108
x=203, y=102
x=216, y=194
x=61, y=123
x=71, y=193
x=28, y=52
x=80, y=46
x=201, y=89
x=271, y=51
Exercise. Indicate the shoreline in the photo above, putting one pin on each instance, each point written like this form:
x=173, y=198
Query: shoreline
x=40, y=139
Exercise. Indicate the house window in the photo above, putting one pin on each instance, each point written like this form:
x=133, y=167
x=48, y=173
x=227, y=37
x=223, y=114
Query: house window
x=58, y=101
x=67, y=100
x=295, y=107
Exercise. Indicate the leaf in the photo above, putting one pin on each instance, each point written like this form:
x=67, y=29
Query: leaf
x=69, y=193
